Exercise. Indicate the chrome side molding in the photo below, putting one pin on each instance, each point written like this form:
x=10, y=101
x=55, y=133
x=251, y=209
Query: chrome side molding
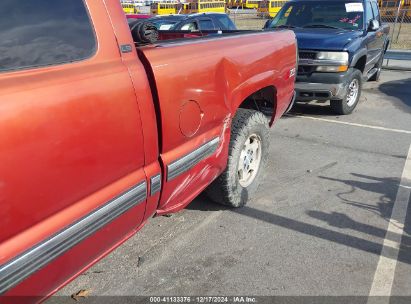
x=18, y=269
x=188, y=161
x=155, y=184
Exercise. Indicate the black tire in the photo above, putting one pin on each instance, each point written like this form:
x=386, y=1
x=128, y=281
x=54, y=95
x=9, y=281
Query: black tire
x=144, y=32
x=346, y=105
x=377, y=74
x=227, y=189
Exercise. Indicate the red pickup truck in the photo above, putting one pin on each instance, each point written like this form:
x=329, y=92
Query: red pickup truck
x=98, y=135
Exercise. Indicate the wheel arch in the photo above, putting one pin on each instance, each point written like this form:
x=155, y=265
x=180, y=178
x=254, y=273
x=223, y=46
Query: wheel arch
x=359, y=60
x=262, y=97
x=263, y=100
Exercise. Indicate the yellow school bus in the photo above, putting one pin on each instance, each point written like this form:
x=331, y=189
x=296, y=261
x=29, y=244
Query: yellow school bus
x=184, y=8
x=390, y=3
x=163, y=8
x=251, y=3
x=269, y=8
x=203, y=6
x=407, y=9
x=129, y=8
x=234, y=3
x=389, y=10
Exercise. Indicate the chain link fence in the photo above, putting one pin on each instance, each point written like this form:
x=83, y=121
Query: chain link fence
x=399, y=20
x=247, y=19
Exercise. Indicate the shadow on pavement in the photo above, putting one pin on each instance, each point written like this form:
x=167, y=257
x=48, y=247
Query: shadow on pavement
x=204, y=204
x=342, y=221
x=387, y=187
x=321, y=109
x=400, y=89
x=327, y=234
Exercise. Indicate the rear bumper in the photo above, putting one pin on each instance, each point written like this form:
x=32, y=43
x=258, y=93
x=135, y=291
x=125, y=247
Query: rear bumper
x=322, y=86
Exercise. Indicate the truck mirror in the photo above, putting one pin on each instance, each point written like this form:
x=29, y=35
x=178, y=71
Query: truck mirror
x=374, y=25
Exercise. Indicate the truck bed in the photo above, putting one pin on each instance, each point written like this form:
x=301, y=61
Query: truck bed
x=213, y=74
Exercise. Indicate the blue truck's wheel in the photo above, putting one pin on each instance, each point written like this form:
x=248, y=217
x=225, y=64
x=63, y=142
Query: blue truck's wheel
x=349, y=102
x=248, y=151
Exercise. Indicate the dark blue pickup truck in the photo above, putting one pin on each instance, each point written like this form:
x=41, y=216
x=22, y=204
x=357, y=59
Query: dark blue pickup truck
x=341, y=44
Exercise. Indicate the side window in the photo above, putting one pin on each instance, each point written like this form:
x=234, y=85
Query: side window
x=226, y=22
x=376, y=11
x=284, y=18
x=43, y=32
x=206, y=24
x=368, y=13
x=191, y=26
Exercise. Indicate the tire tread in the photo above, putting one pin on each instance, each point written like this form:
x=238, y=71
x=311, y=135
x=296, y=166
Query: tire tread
x=221, y=190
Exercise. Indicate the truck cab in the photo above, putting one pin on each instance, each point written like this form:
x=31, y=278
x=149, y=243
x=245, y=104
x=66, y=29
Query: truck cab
x=341, y=44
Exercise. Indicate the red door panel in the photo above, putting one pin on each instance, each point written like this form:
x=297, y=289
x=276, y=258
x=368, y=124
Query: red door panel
x=70, y=142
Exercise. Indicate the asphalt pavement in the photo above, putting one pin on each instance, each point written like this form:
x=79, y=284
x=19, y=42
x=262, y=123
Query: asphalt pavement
x=318, y=226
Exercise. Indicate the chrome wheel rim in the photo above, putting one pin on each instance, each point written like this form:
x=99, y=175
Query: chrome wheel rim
x=249, y=161
x=353, y=89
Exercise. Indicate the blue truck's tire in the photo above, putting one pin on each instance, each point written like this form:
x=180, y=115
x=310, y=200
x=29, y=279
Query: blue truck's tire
x=349, y=102
x=249, y=129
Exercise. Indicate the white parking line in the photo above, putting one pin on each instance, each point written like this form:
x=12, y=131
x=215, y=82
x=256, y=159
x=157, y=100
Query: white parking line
x=384, y=275
x=351, y=124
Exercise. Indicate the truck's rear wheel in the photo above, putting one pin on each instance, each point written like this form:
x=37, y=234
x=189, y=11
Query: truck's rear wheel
x=349, y=102
x=248, y=150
